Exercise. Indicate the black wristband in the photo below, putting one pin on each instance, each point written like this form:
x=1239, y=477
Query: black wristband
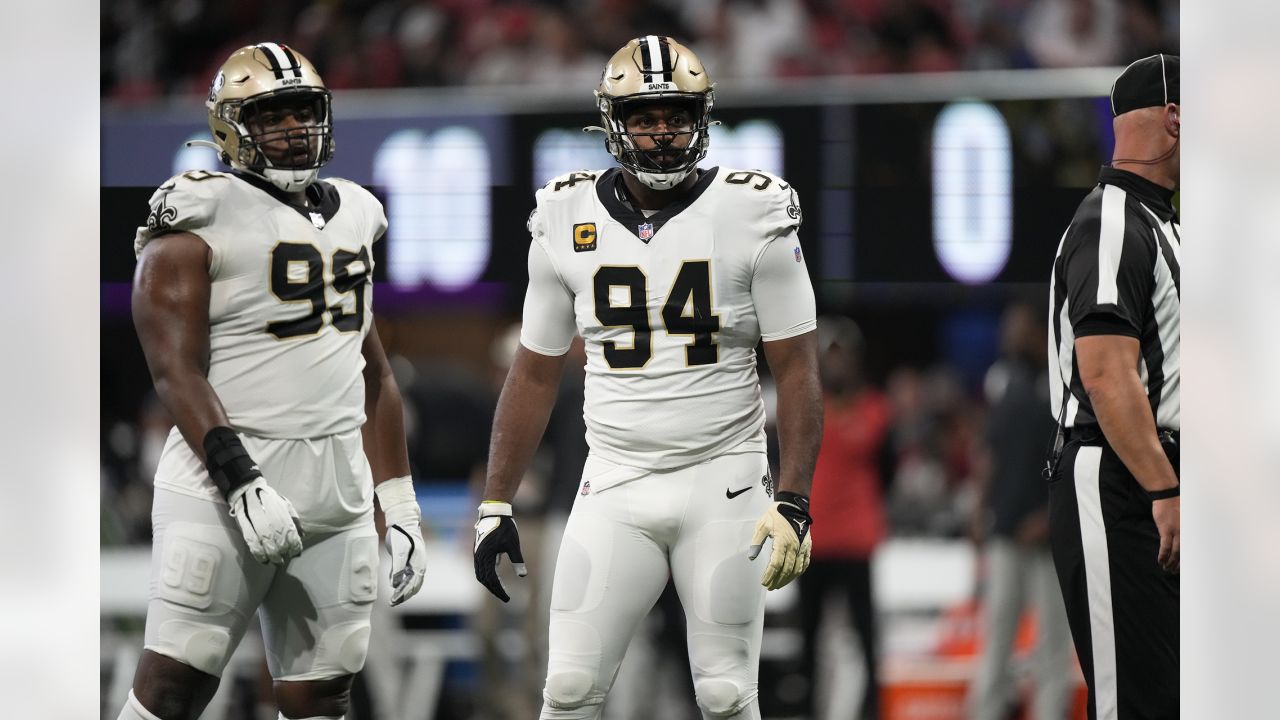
x=1166, y=493
x=794, y=498
x=228, y=462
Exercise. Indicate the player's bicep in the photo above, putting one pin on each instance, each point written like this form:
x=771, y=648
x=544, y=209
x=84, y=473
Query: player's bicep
x=548, y=323
x=376, y=364
x=781, y=291
x=170, y=300
x=793, y=356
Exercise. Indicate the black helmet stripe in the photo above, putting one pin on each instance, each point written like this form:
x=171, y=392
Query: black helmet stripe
x=294, y=65
x=277, y=57
x=646, y=57
x=668, y=63
x=655, y=58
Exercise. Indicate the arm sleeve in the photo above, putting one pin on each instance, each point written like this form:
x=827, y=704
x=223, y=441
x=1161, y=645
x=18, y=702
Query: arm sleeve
x=781, y=291
x=548, y=326
x=1109, y=274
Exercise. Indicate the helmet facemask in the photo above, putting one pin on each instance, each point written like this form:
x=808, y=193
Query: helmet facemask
x=269, y=84
x=647, y=164
x=288, y=157
x=655, y=69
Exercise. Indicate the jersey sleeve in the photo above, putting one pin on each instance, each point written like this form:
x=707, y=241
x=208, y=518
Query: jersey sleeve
x=186, y=203
x=1109, y=274
x=781, y=291
x=375, y=216
x=548, y=327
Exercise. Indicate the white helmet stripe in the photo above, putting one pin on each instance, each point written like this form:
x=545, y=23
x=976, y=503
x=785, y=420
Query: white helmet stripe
x=667, y=58
x=281, y=60
x=654, y=56
x=294, y=65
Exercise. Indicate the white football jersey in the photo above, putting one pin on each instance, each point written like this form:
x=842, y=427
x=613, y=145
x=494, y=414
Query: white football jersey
x=290, y=301
x=671, y=306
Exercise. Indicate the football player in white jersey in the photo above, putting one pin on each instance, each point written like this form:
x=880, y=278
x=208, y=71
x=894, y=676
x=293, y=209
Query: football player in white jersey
x=252, y=302
x=672, y=275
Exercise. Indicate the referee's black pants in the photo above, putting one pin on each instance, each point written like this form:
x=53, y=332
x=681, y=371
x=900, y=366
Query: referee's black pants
x=1123, y=609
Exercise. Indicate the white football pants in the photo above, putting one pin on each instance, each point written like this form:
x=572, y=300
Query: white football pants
x=631, y=529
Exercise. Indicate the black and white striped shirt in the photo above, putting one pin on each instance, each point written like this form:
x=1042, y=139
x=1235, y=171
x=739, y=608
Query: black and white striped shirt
x=1117, y=273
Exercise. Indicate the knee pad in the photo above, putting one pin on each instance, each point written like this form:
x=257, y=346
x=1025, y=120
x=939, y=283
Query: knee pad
x=342, y=649
x=573, y=665
x=206, y=648
x=570, y=689
x=719, y=697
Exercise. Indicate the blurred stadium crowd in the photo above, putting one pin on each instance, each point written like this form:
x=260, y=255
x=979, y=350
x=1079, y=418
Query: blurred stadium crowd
x=151, y=49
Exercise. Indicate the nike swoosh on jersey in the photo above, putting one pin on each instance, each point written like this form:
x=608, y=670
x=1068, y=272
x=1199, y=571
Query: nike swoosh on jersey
x=733, y=494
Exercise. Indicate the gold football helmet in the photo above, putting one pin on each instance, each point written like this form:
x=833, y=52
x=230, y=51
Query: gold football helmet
x=650, y=69
x=260, y=81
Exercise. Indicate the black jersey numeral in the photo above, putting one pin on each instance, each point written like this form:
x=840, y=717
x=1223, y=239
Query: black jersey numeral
x=634, y=315
x=350, y=274
x=297, y=276
x=692, y=290
x=742, y=177
x=687, y=311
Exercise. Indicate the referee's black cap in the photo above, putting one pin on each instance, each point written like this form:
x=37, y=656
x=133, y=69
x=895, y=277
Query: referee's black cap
x=1149, y=82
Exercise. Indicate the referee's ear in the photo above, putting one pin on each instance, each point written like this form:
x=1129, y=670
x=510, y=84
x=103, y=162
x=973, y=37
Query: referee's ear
x=1171, y=123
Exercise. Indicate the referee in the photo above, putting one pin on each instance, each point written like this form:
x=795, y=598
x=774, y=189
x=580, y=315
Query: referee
x=1113, y=490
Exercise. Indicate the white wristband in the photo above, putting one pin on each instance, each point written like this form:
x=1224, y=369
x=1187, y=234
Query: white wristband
x=494, y=508
x=398, y=500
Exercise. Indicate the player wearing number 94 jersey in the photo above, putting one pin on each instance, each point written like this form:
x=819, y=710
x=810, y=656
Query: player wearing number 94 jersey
x=252, y=303
x=672, y=275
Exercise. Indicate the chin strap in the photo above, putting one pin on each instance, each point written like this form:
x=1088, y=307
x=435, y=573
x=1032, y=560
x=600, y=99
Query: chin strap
x=669, y=181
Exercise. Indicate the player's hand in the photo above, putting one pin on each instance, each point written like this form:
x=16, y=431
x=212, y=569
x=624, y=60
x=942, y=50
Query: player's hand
x=268, y=522
x=787, y=521
x=1168, y=516
x=404, y=537
x=496, y=534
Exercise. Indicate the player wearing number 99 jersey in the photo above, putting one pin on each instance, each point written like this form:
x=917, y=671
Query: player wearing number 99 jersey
x=252, y=303
x=672, y=275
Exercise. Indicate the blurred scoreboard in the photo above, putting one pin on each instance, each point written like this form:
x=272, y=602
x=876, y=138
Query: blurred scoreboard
x=896, y=195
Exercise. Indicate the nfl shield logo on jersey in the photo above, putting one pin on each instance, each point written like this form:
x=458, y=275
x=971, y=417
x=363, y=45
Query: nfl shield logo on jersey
x=646, y=231
x=586, y=487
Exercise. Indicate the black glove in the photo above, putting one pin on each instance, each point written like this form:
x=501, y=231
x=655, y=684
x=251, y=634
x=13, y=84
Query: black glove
x=496, y=534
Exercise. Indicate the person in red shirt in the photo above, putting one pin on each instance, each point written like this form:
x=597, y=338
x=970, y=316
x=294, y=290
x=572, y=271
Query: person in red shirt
x=848, y=492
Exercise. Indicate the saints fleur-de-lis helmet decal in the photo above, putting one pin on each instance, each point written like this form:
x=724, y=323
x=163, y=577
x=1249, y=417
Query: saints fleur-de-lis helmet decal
x=255, y=79
x=647, y=69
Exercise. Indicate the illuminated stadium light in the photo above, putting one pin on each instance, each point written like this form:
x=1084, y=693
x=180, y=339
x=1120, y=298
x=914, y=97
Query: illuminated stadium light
x=199, y=157
x=437, y=203
x=750, y=145
x=559, y=151
x=754, y=145
x=972, y=191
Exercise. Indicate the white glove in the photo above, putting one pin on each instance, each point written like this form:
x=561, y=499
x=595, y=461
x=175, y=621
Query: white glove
x=787, y=521
x=268, y=522
x=404, y=537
